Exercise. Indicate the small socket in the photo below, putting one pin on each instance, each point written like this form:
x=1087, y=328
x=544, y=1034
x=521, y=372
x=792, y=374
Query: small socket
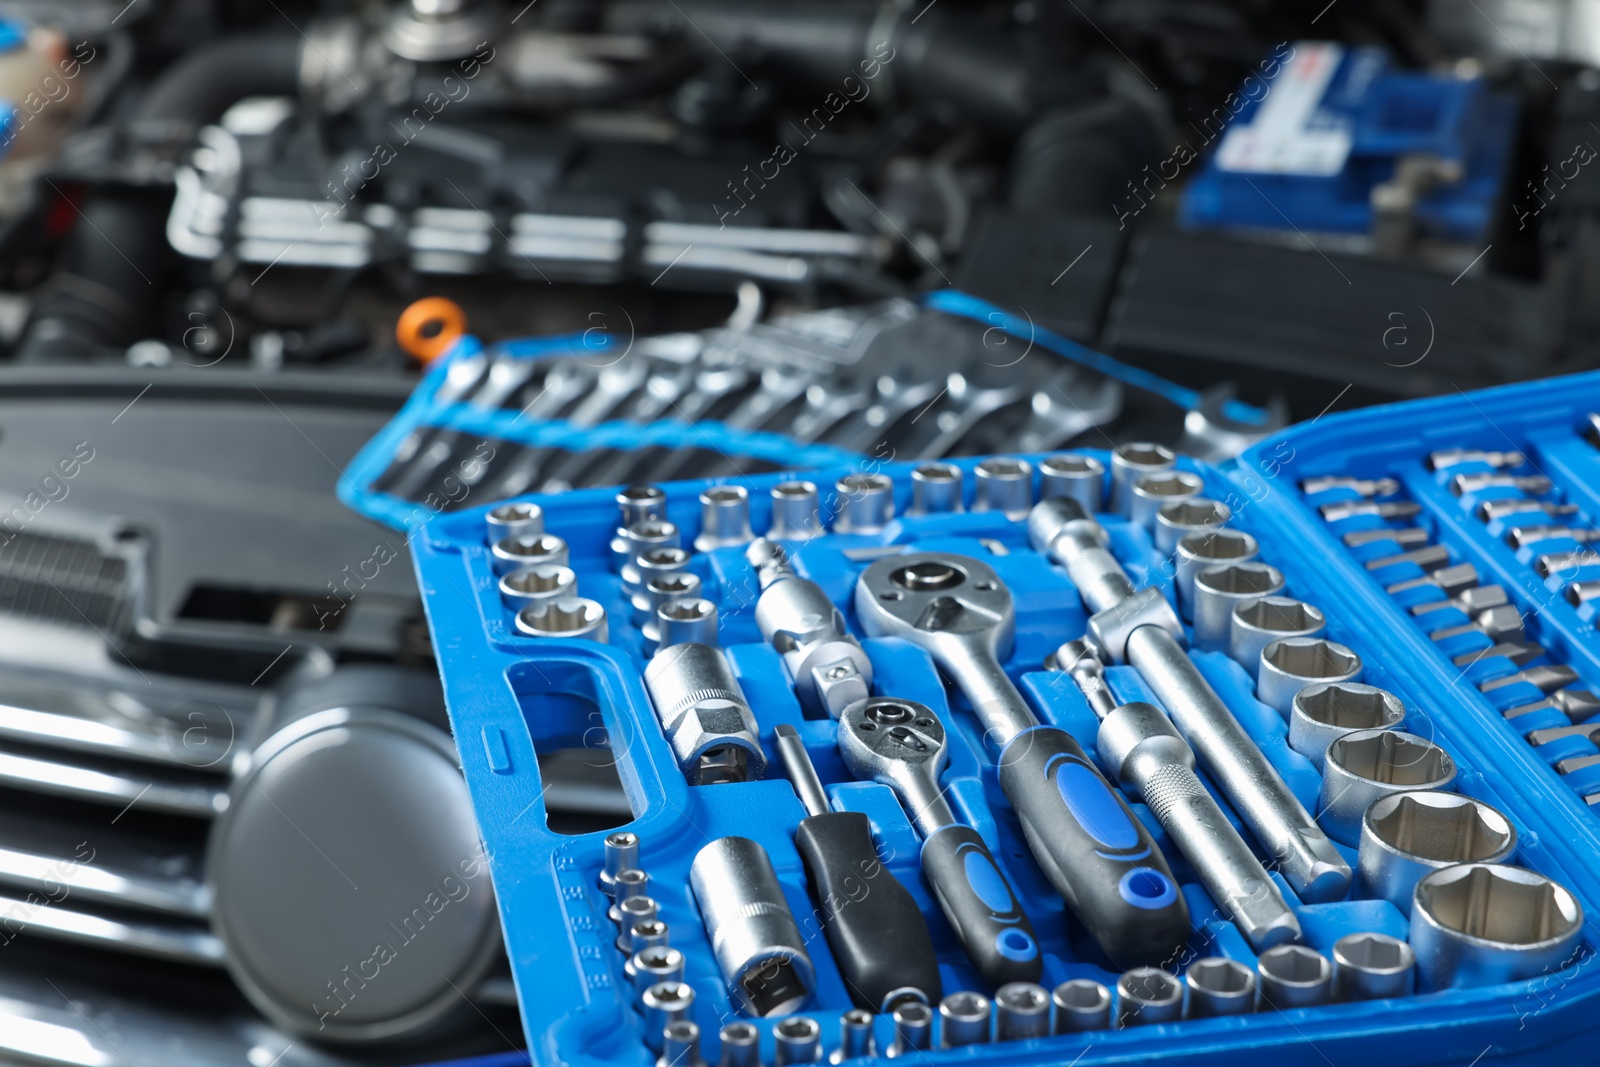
x=530, y=585
x=640, y=503
x=1080, y=1005
x=935, y=489
x=1177, y=519
x=517, y=519
x=963, y=1020
x=1292, y=976
x=639, y=539
x=664, y=1004
x=1258, y=623
x=1324, y=712
x=1208, y=548
x=913, y=1028
x=621, y=854
x=568, y=617
x=1219, y=589
x=741, y=1045
x=1369, y=966
x=687, y=620
x=1148, y=995
x=1289, y=665
x=1021, y=1011
x=1128, y=463
x=530, y=550
x=680, y=1045
x=866, y=503
x=724, y=518
x=796, y=1039
x=1151, y=492
x=1005, y=485
x=796, y=512
x=1220, y=986
x=1367, y=766
x=658, y=963
x=1077, y=477
x=855, y=1036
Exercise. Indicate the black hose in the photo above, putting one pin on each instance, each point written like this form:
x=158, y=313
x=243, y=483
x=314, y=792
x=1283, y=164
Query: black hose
x=198, y=88
x=1078, y=160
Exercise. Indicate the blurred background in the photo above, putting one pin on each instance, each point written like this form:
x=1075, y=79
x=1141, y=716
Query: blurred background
x=237, y=236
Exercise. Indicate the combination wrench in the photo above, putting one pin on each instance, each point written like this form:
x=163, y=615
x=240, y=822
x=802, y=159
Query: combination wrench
x=1141, y=629
x=901, y=744
x=1084, y=836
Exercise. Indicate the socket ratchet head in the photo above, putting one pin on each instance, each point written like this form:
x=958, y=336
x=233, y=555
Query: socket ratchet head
x=1151, y=492
x=1080, y=1004
x=529, y=585
x=1323, y=712
x=1128, y=463
x=935, y=489
x=1370, y=764
x=796, y=512
x=1022, y=1010
x=1292, y=976
x=1004, y=485
x=963, y=1020
x=741, y=1045
x=567, y=617
x=758, y=947
x=1218, y=589
x=518, y=519
x=705, y=715
x=1258, y=623
x=528, y=550
x=724, y=518
x=1077, y=477
x=1148, y=995
x=1220, y=986
x=796, y=1040
x=1478, y=924
x=1177, y=519
x=866, y=503
x=1408, y=836
x=1208, y=548
x=1291, y=664
x=1368, y=966
x=687, y=620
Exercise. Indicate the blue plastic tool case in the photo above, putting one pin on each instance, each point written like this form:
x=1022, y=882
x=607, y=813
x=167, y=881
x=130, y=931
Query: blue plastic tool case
x=511, y=697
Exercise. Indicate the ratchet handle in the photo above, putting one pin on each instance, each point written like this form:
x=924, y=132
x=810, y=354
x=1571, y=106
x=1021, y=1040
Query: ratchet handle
x=980, y=904
x=879, y=938
x=1093, y=849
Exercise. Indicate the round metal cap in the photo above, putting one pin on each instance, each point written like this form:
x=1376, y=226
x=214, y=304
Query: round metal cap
x=351, y=891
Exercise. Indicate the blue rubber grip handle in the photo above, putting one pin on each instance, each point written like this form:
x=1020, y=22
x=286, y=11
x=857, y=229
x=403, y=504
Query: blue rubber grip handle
x=1094, y=850
x=979, y=903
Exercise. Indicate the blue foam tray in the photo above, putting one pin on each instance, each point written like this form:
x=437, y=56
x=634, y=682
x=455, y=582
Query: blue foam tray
x=511, y=697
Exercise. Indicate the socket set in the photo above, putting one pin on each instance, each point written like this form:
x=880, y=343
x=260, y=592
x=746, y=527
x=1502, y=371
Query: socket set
x=1078, y=756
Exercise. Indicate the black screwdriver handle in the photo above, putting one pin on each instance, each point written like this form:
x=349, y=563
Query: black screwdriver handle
x=1093, y=849
x=980, y=904
x=878, y=936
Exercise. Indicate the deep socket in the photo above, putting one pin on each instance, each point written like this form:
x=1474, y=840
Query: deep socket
x=621, y=854
x=724, y=518
x=758, y=947
x=705, y=715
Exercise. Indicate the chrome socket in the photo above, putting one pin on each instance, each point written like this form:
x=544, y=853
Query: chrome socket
x=866, y=503
x=530, y=585
x=1004, y=485
x=642, y=934
x=758, y=947
x=1148, y=995
x=855, y=1036
x=635, y=504
x=1368, y=765
x=657, y=963
x=1369, y=966
x=1291, y=664
x=1205, y=549
x=653, y=564
x=741, y=1045
x=1080, y=1005
x=687, y=620
x=1021, y=1011
x=1177, y=519
x=1220, y=986
x=1152, y=492
x=639, y=539
x=796, y=512
x=663, y=1004
x=705, y=715
x=1326, y=711
x=724, y=518
x=1479, y=924
x=621, y=854
x=567, y=617
x=681, y=1045
x=531, y=550
x=658, y=593
x=913, y=1028
x=1258, y=623
x=1217, y=590
x=1408, y=836
x=1128, y=463
x=964, y=1020
x=1292, y=976
x=628, y=914
x=1080, y=478
x=517, y=519
x=627, y=884
x=935, y=489
x=797, y=1040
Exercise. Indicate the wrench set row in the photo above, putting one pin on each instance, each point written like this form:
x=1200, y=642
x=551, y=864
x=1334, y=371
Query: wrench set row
x=1151, y=759
x=1498, y=637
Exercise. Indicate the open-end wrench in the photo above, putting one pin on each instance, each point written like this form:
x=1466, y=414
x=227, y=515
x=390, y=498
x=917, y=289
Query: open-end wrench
x=1141, y=629
x=901, y=744
x=1153, y=763
x=1081, y=831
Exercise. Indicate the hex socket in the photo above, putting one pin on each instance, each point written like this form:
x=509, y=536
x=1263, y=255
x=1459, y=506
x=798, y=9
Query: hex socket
x=753, y=934
x=913, y=1026
x=866, y=503
x=1292, y=976
x=572, y=616
x=855, y=1036
x=1220, y=986
x=1148, y=995
x=724, y=518
x=1478, y=924
x=796, y=1040
x=1325, y=711
x=1205, y=549
x=964, y=1020
x=1021, y=1011
x=935, y=489
x=1151, y=492
x=1177, y=519
x=1216, y=592
x=796, y=512
x=1368, y=966
x=1080, y=478
x=741, y=1045
x=1079, y=1005
x=1258, y=623
x=1408, y=836
x=1128, y=463
x=1004, y=484
x=1291, y=664
x=1371, y=764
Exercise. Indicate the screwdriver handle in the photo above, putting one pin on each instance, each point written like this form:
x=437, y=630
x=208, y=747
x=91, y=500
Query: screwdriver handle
x=980, y=904
x=879, y=939
x=1093, y=849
